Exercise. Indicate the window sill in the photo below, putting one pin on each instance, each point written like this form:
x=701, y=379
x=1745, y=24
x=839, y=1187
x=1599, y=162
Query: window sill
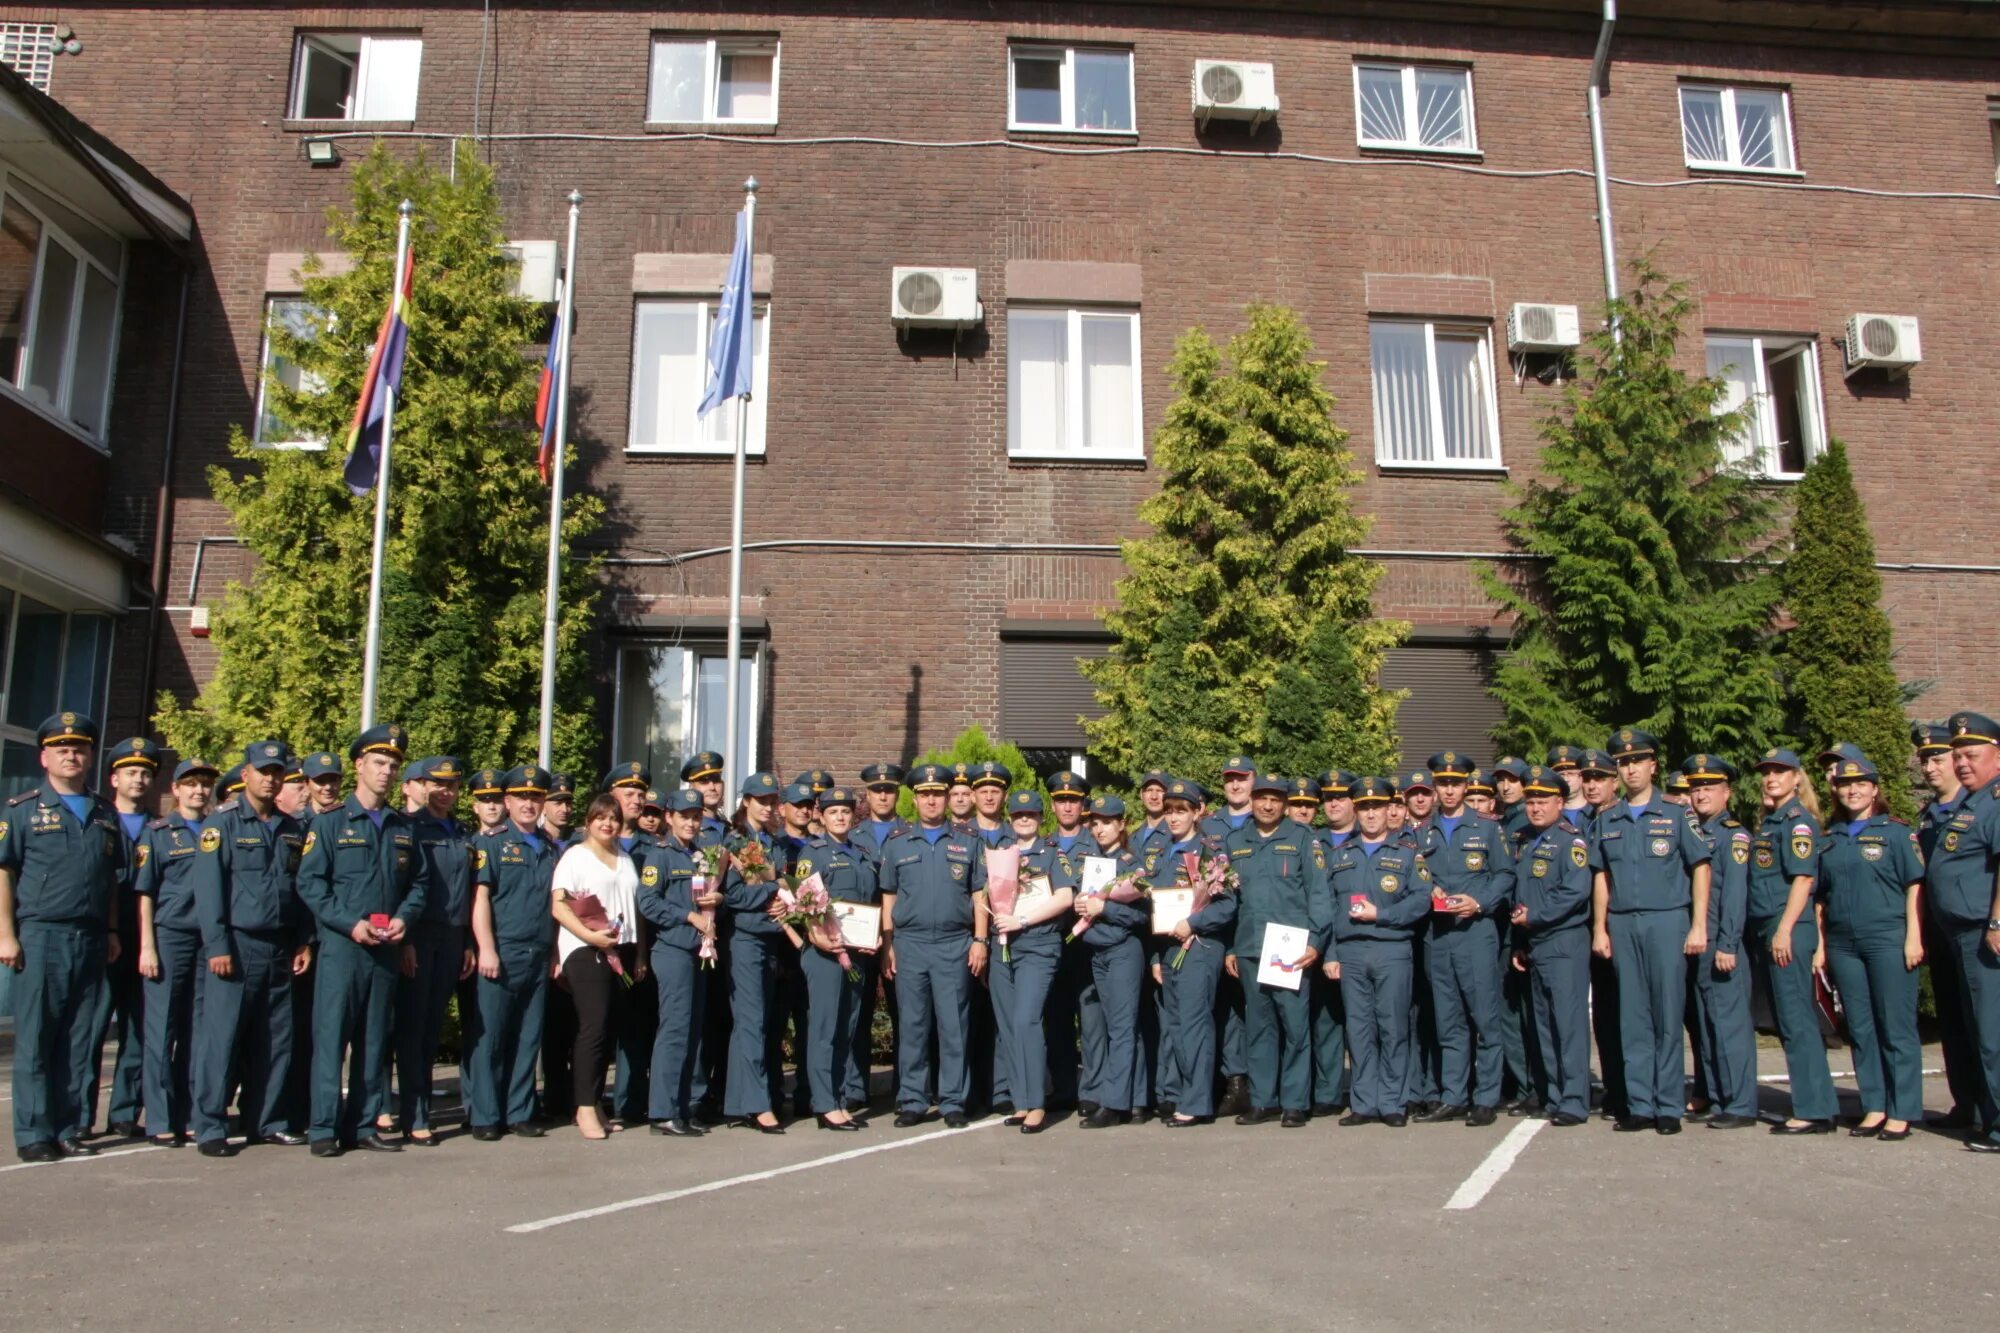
x=292, y=446
x=1387, y=150
x=42, y=410
x=1056, y=134
x=1450, y=467
x=290, y=125
x=1747, y=173
x=711, y=127
x=1117, y=462
x=723, y=454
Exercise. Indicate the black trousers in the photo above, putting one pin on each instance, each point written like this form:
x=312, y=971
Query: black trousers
x=600, y=998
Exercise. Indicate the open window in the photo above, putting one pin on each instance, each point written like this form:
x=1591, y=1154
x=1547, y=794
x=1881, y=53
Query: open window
x=1775, y=380
x=356, y=76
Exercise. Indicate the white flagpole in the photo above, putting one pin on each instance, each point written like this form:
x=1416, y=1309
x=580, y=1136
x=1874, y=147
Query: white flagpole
x=372, y=655
x=731, y=776
x=553, y=604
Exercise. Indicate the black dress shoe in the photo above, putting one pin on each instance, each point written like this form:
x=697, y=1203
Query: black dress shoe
x=956, y=1120
x=39, y=1152
x=125, y=1129
x=676, y=1129
x=1295, y=1120
x=429, y=1140
x=1103, y=1118
x=1258, y=1115
x=841, y=1126
x=1700, y=1116
x=1441, y=1115
x=1667, y=1124
x=75, y=1147
x=1894, y=1135
x=908, y=1119
x=1564, y=1120
x=1804, y=1127
x=376, y=1143
x=327, y=1148
x=1630, y=1124
x=1027, y=1128
x=1396, y=1120
x=1164, y=1110
x=1982, y=1143
x=488, y=1133
x=1480, y=1116
x=1236, y=1095
x=1178, y=1121
x=168, y=1140
x=1725, y=1120
x=528, y=1131
x=1358, y=1118
x=281, y=1138
x=752, y=1122
x=215, y=1148
x=1015, y=1120
x=1086, y=1107
x=1328, y=1108
x=1866, y=1131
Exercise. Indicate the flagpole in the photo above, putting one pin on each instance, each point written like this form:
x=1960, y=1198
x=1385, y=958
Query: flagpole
x=731, y=775
x=372, y=654
x=553, y=603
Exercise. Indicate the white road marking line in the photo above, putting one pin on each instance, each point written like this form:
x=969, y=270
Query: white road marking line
x=1838, y=1073
x=1487, y=1174
x=647, y=1201
x=80, y=1161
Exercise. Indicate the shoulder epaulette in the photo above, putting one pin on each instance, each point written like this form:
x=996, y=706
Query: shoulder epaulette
x=24, y=797
x=1731, y=821
x=161, y=822
x=1904, y=822
x=232, y=803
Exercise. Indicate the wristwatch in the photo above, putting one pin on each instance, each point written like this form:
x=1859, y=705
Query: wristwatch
x=982, y=939
x=1993, y=924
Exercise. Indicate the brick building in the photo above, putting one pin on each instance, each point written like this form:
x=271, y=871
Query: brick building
x=933, y=512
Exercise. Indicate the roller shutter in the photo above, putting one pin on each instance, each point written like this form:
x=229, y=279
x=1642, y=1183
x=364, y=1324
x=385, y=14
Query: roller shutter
x=1448, y=707
x=1042, y=693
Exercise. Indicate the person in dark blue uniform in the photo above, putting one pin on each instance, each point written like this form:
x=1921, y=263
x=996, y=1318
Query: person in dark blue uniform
x=1551, y=920
x=134, y=769
x=513, y=932
x=1521, y=1061
x=1073, y=1023
x=798, y=824
x=936, y=943
x=1417, y=792
x=1596, y=791
x=1326, y=1014
x=883, y=786
x=254, y=942
x=1725, y=1081
x=754, y=937
x=323, y=776
x=1870, y=879
x=1190, y=963
x=829, y=1061
x=1031, y=947
x=170, y=951
x=364, y=880
x=1961, y=1058
x=990, y=780
x=1783, y=928
x=1238, y=774
x=63, y=865
x=1650, y=913
x=682, y=920
x=1117, y=960
x=438, y=951
x=1382, y=889
x=1152, y=810
x=1964, y=894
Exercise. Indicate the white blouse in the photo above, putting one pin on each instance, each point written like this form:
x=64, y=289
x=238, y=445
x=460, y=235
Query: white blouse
x=617, y=888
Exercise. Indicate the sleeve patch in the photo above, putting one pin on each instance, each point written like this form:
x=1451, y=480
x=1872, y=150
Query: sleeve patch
x=210, y=840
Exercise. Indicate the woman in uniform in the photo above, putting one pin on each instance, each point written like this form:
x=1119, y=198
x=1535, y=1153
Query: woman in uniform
x=1783, y=936
x=1025, y=965
x=752, y=1088
x=1870, y=875
x=682, y=920
x=833, y=1003
x=1117, y=953
x=1187, y=984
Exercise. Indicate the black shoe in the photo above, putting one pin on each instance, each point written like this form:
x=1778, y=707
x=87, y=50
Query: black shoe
x=1027, y=1128
x=281, y=1138
x=1982, y=1143
x=1441, y=1115
x=1085, y=1108
x=841, y=1126
x=1866, y=1131
x=1258, y=1115
x=1956, y=1118
x=1524, y=1106
x=488, y=1133
x=528, y=1131
x=39, y=1152
x=75, y=1147
x=1015, y=1121
x=1235, y=1095
x=1178, y=1121
x=1104, y=1118
x=752, y=1122
x=907, y=1119
x=327, y=1148
x=1805, y=1127
x=1564, y=1120
x=1357, y=1118
x=376, y=1143
x=1295, y=1120
x=1893, y=1135
x=956, y=1120
x=707, y=1113
x=168, y=1140
x=1630, y=1124
x=854, y=1106
x=1667, y=1124
x=1165, y=1110
x=1328, y=1108
x=1481, y=1116
x=125, y=1129
x=1724, y=1120
x=1700, y=1116
x=215, y=1148
x=429, y=1140
x=1396, y=1120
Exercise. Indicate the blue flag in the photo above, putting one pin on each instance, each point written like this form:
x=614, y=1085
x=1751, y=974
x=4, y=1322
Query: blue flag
x=730, y=353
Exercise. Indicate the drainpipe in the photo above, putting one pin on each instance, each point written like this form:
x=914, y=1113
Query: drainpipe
x=1600, y=85
x=163, y=509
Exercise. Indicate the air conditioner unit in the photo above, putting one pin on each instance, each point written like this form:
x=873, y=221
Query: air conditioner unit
x=1235, y=90
x=537, y=279
x=935, y=298
x=1882, y=342
x=1533, y=326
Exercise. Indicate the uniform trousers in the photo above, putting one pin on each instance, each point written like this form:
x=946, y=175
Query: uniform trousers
x=1726, y=1049
x=1328, y=1019
x=933, y=995
x=1962, y=1073
x=1020, y=998
x=1978, y=975
x=503, y=1036
x=1420, y=1085
x=1559, y=984
x=54, y=998
x=121, y=1012
x=1879, y=995
x=244, y=1042
x=172, y=1010
x=1117, y=974
x=351, y=1009
x=753, y=1001
x=1652, y=1001
x=1465, y=1005
x=1375, y=982
x=826, y=1042
x=1188, y=1023
x=1519, y=1053
x=682, y=986
x=1791, y=991
x=1277, y=1039
x=421, y=1001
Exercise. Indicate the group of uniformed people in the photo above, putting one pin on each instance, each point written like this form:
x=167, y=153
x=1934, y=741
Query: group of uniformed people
x=1463, y=938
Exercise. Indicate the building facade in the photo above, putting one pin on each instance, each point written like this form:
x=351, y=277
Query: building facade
x=933, y=512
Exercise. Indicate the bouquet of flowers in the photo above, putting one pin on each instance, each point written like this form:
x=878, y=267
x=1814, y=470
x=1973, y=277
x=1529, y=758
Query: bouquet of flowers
x=711, y=864
x=1125, y=889
x=590, y=915
x=1003, y=885
x=751, y=861
x=1211, y=878
x=809, y=907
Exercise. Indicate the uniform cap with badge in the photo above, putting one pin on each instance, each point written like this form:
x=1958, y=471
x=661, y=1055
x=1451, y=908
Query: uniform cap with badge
x=1596, y=763
x=1239, y=766
x=761, y=786
x=631, y=773
x=1107, y=805
x=195, y=768
x=882, y=775
x=651, y=801
x=1478, y=784
x=1541, y=780
x=683, y=800
x=1778, y=758
x=992, y=773
x=1154, y=777
x=1026, y=801
x=1418, y=779
x=1335, y=783
x=816, y=778
x=1186, y=789
x=1372, y=791
x=388, y=739
x=261, y=755
x=1303, y=791
x=800, y=793
x=702, y=766
x=66, y=728
x=1855, y=770
x=321, y=764
x=1930, y=738
x=1973, y=729
x=1068, y=785
x=1632, y=743
x=1705, y=768
x=1450, y=764
x=930, y=777
x=1507, y=766
x=1564, y=757
x=837, y=796
x=528, y=780
x=561, y=785
x=138, y=751
x=1838, y=752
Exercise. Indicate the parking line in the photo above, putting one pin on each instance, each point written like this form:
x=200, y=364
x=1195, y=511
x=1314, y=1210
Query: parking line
x=81, y=1161
x=648, y=1200
x=1487, y=1174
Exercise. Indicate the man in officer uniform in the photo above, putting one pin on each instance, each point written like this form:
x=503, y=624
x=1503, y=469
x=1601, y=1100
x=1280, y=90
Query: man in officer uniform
x=294, y=793
x=513, y=933
x=63, y=866
x=438, y=953
x=1649, y=901
x=1521, y=1074
x=1328, y=1015
x=134, y=770
x=884, y=784
x=1232, y=1062
x=558, y=808
x=1381, y=890
x=1072, y=1022
x=1153, y=802
x=935, y=943
x=1472, y=879
x=255, y=941
x=558, y=1010
x=1726, y=1045
x=1597, y=791
x=1962, y=886
x=958, y=803
x=1961, y=1057
x=322, y=772
x=1418, y=791
x=990, y=780
x=169, y=951
x=1551, y=921
x=703, y=772
x=365, y=881
x=323, y=775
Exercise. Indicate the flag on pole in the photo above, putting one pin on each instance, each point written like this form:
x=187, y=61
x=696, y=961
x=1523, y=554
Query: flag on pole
x=730, y=349
x=385, y=376
x=545, y=397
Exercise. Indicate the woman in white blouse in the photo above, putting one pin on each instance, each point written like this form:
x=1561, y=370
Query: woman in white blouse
x=595, y=900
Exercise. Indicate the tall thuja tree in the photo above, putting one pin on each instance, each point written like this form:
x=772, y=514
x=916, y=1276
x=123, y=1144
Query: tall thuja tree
x=1839, y=656
x=468, y=516
x=1650, y=591
x=974, y=746
x=1252, y=536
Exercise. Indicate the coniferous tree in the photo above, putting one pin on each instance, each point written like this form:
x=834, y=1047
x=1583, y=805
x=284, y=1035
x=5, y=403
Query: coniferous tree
x=974, y=746
x=468, y=516
x=1838, y=656
x=1650, y=594
x=1252, y=531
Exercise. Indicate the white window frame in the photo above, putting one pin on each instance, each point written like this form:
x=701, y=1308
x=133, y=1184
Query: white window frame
x=1434, y=397
x=1047, y=52
x=760, y=380
x=748, y=701
x=1073, y=401
x=58, y=409
x=1758, y=451
x=711, y=78
x=308, y=381
x=1732, y=129
x=1411, y=142
x=295, y=107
